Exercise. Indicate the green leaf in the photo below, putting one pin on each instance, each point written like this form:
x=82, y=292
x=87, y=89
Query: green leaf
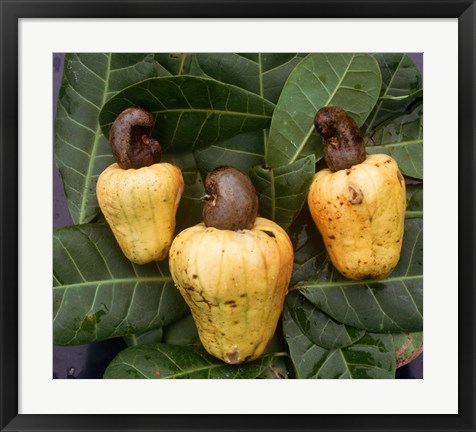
x=165, y=361
x=242, y=151
x=146, y=338
x=414, y=201
x=391, y=305
x=98, y=293
x=263, y=74
x=260, y=73
x=351, y=81
x=174, y=63
x=408, y=346
x=189, y=212
x=309, y=249
x=401, y=138
x=402, y=85
x=283, y=190
x=371, y=357
x=191, y=112
x=318, y=327
x=81, y=151
x=182, y=332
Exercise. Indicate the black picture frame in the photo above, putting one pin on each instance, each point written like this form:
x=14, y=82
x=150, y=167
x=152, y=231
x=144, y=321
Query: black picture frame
x=11, y=11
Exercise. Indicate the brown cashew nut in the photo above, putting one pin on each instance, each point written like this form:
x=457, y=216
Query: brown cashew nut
x=232, y=201
x=129, y=141
x=344, y=146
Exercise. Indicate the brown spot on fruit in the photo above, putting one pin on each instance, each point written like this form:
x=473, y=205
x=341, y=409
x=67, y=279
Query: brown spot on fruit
x=233, y=357
x=270, y=233
x=400, y=177
x=356, y=195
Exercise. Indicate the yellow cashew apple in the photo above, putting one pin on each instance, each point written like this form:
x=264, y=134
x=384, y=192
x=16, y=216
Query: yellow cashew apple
x=138, y=195
x=358, y=203
x=233, y=278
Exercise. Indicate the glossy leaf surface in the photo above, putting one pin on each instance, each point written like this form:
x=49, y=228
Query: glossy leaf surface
x=402, y=85
x=165, y=361
x=190, y=208
x=182, y=332
x=350, y=81
x=318, y=327
x=414, y=201
x=260, y=73
x=99, y=294
x=309, y=249
x=402, y=138
x=81, y=150
x=282, y=191
x=372, y=356
x=242, y=151
x=174, y=63
x=191, y=112
x=146, y=338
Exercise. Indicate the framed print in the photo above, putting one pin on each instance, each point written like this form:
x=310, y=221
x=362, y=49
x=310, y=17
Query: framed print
x=237, y=199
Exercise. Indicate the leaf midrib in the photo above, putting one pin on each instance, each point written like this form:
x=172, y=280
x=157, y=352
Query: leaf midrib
x=379, y=103
x=115, y=281
x=351, y=283
x=329, y=99
x=397, y=144
x=97, y=136
x=192, y=371
x=413, y=214
x=207, y=111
